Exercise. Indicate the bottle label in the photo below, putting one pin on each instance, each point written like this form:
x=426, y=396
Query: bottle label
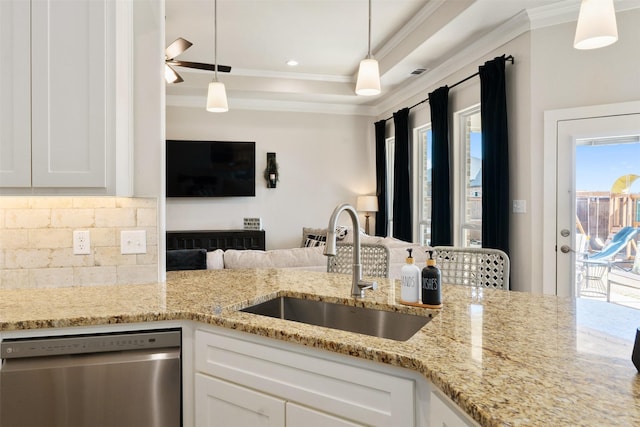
x=430, y=283
x=409, y=281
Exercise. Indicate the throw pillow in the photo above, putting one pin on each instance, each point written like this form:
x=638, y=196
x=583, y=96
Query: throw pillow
x=315, y=240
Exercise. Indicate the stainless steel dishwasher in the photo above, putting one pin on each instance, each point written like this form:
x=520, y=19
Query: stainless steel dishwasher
x=98, y=380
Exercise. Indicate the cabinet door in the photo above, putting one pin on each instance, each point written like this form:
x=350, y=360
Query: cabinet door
x=219, y=403
x=443, y=414
x=15, y=94
x=300, y=416
x=71, y=60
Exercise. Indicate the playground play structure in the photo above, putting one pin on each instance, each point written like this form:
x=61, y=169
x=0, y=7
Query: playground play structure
x=600, y=215
x=608, y=229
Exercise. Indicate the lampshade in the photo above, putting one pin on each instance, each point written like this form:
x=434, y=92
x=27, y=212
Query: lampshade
x=368, y=82
x=217, y=98
x=367, y=204
x=216, y=94
x=596, y=25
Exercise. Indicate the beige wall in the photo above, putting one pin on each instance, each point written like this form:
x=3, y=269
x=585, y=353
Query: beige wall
x=36, y=241
x=323, y=159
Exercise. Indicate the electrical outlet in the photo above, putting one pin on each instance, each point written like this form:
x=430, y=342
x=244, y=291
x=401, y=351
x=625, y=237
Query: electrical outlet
x=81, y=242
x=133, y=242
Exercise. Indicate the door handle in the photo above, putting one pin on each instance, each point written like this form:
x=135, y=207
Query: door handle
x=565, y=249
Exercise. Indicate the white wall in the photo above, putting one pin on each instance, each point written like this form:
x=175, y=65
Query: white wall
x=323, y=160
x=518, y=95
x=563, y=77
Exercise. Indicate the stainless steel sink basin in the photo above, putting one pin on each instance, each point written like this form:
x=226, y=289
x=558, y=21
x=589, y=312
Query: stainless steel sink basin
x=378, y=323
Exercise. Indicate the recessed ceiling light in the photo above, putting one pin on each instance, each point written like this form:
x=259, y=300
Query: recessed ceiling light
x=292, y=63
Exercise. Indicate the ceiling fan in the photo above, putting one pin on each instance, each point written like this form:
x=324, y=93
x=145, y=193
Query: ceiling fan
x=175, y=49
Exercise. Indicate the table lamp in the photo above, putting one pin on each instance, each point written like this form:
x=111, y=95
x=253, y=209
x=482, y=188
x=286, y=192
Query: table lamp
x=367, y=204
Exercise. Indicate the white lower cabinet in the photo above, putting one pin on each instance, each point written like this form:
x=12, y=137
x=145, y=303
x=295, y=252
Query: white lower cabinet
x=301, y=416
x=245, y=382
x=444, y=413
x=220, y=403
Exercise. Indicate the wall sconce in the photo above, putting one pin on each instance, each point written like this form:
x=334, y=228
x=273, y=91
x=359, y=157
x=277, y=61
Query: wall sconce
x=271, y=171
x=368, y=205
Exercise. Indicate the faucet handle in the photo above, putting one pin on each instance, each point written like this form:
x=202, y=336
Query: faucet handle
x=364, y=285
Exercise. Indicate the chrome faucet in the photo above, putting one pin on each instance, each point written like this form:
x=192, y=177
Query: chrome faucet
x=358, y=286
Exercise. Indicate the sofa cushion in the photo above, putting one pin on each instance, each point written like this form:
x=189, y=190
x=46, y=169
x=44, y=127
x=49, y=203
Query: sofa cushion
x=275, y=258
x=186, y=259
x=215, y=260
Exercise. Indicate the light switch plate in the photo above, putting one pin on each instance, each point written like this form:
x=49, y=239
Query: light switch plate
x=133, y=242
x=520, y=206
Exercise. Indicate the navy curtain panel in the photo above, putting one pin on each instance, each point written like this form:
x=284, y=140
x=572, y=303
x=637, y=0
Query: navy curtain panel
x=441, y=220
x=495, y=155
x=382, y=216
x=401, y=178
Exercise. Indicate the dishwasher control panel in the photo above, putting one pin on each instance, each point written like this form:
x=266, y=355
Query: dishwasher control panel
x=94, y=343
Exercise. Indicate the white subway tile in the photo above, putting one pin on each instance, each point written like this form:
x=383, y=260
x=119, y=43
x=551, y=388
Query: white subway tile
x=14, y=202
x=14, y=239
x=136, y=274
x=117, y=217
x=88, y=276
x=14, y=279
x=27, y=258
x=111, y=256
x=65, y=258
x=50, y=202
x=51, y=238
x=72, y=218
x=94, y=202
x=50, y=277
x=27, y=218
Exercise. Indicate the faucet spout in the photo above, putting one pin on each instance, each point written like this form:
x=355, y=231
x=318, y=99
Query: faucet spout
x=358, y=285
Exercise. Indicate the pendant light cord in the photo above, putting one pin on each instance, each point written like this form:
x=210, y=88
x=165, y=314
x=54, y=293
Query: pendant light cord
x=215, y=40
x=369, y=41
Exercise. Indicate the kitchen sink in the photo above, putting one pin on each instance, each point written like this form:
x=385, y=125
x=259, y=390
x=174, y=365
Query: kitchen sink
x=378, y=323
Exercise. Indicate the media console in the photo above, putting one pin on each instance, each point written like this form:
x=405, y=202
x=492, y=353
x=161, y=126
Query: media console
x=216, y=239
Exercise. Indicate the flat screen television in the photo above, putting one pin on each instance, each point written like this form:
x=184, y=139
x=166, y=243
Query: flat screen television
x=210, y=169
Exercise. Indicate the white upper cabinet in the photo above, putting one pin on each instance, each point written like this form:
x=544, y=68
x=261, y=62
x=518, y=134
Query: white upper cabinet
x=15, y=94
x=71, y=98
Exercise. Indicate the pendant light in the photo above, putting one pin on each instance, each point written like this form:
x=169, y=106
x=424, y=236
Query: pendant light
x=368, y=82
x=216, y=95
x=596, y=25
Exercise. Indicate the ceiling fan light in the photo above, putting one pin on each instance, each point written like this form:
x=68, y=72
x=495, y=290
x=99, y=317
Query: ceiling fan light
x=170, y=75
x=368, y=82
x=596, y=25
x=217, y=98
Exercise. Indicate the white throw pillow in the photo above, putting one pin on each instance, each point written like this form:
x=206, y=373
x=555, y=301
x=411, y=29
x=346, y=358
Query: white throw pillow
x=215, y=260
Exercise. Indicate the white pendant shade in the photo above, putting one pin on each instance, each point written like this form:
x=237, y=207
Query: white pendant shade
x=596, y=25
x=217, y=98
x=368, y=82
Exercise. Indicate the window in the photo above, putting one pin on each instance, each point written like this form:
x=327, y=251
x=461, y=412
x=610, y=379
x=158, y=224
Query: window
x=470, y=181
x=390, y=149
x=424, y=147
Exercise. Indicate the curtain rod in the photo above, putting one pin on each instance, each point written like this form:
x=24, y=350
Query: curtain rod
x=508, y=58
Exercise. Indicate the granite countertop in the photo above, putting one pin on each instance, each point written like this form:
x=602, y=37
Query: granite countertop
x=506, y=358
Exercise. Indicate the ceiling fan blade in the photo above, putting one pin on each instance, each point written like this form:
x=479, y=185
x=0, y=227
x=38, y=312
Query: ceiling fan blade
x=170, y=75
x=178, y=46
x=201, y=66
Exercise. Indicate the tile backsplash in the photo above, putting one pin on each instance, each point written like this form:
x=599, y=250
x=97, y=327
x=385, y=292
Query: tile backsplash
x=36, y=241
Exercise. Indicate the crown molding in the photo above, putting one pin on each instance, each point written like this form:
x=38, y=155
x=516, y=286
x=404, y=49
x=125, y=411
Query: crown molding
x=274, y=105
x=414, y=23
x=475, y=51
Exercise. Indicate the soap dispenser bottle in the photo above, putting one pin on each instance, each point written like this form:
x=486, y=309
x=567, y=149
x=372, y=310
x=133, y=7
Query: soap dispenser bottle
x=410, y=281
x=431, y=289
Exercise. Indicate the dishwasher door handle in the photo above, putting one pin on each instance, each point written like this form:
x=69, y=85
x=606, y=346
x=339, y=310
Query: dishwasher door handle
x=91, y=359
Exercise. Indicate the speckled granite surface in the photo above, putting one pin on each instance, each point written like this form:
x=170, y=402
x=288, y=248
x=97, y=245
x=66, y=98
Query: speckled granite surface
x=506, y=358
